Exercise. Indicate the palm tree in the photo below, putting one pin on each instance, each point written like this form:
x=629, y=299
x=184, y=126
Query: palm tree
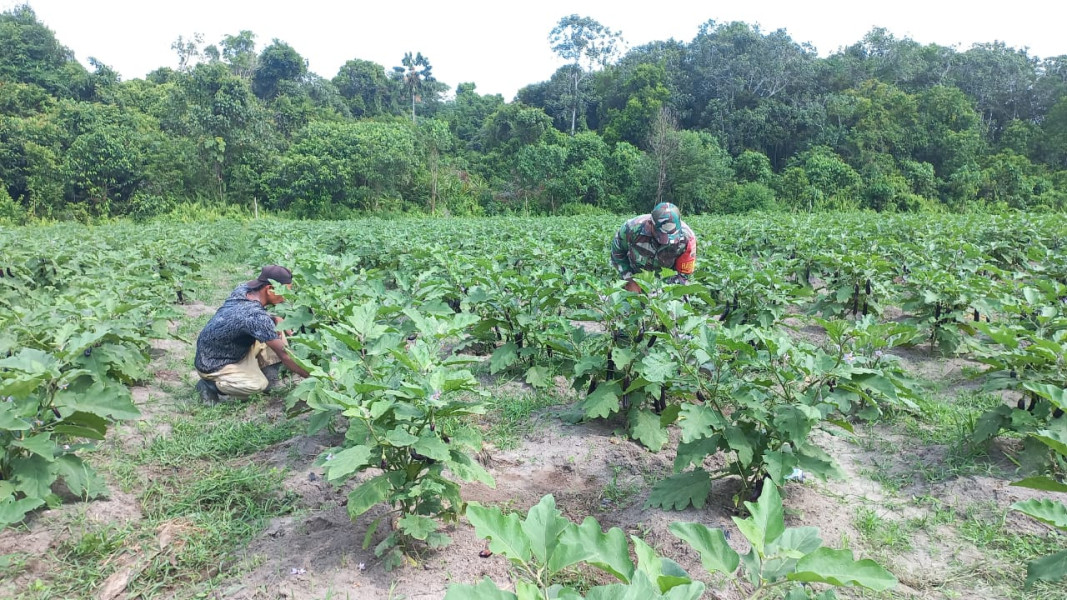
x=415, y=73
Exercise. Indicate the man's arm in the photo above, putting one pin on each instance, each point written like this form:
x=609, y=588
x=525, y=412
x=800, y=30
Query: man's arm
x=620, y=255
x=278, y=345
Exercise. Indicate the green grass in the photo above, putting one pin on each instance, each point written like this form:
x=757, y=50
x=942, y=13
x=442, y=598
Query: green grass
x=945, y=420
x=216, y=433
x=984, y=525
x=510, y=418
x=618, y=493
x=881, y=532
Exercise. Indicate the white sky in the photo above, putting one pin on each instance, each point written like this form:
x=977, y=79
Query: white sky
x=503, y=45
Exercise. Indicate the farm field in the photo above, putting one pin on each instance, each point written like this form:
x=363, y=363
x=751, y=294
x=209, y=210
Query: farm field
x=891, y=378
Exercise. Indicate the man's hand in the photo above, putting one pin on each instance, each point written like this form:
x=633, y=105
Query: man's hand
x=278, y=321
x=631, y=286
x=278, y=345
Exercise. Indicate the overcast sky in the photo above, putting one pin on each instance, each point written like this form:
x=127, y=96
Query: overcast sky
x=501, y=45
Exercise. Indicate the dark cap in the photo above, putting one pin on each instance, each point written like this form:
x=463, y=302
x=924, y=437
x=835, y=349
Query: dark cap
x=271, y=272
x=667, y=223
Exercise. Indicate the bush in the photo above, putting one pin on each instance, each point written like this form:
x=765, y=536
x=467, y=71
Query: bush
x=577, y=209
x=749, y=197
x=11, y=213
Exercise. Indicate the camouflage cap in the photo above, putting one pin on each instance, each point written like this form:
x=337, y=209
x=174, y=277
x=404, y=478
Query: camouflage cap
x=667, y=223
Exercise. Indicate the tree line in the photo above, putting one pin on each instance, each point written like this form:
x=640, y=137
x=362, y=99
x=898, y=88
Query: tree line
x=736, y=119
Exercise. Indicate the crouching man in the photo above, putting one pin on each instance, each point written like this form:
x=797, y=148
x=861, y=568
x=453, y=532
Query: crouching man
x=239, y=351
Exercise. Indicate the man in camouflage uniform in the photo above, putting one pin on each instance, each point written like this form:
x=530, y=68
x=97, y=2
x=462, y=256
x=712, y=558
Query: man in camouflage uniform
x=653, y=241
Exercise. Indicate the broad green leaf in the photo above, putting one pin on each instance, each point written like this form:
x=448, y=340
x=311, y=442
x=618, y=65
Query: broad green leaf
x=32, y=362
x=766, y=522
x=603, y=401
x=622, y=357
x=586, y=542
x=13, y=511
x=715, y=554
x=346, y=462
x=83, y=424
x=796, y=541
x=466, y=469
x=438, y=540
x=778, y=465
x=9, y=421
x=698, y=421
x=1045, y=510
x=877, y=383
x=33, y=475
x=663, y=573
x=590, y=363
x=539, y=377
x=658, y=367
x=694, y=453
x=484, y=590
x=543, y=526
x=645, y=427
x=431, y=446
x=795, y=421
x=1053, y=393
x=648, y=562
x=40, y=444
x=680, y=490
x=504, y=532
x=101, y=399
x=1047, y=484
x=644, y=589
x=369, y=493
x=81, y=480
x=740, y=444
x=400, y=437
x=527, y=590
x=417, y=526
x=837, y=567
x=503, y=357
x=1053, y=439
x=1049, y=568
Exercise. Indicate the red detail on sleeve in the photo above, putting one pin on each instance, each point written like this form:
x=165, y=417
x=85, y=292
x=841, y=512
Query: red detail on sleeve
x=687, y=262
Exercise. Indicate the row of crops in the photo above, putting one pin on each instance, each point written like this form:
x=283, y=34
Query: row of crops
x=78, y=309
x=392, y=317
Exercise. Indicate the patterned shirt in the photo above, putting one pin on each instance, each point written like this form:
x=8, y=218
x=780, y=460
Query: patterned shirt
x=229, y=335
x=635, y=249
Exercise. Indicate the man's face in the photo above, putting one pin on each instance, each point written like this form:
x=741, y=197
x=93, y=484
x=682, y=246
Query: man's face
x=273, y=297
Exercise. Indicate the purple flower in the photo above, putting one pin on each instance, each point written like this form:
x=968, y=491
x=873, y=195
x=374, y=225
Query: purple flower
x=849, y=358
x=878, y=354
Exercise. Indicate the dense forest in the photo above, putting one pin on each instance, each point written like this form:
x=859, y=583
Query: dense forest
x=736, y=119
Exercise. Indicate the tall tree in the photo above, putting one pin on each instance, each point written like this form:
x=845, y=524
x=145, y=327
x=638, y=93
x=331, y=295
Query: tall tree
x=663, y=144
x=415, y=73
x=239, y=51
x=279, y=62
x=586, y=44
x=365, y=87
x=30, y=53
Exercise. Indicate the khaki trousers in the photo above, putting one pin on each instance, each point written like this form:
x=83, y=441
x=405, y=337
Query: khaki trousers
x=246, y=377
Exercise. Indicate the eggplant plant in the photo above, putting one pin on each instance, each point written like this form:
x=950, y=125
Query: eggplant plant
x=388, y=377
x=782, y=560
x=640, y=362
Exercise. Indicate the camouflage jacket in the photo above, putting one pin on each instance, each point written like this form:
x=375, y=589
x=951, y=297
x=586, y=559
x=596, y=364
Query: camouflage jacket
x=634, y=249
